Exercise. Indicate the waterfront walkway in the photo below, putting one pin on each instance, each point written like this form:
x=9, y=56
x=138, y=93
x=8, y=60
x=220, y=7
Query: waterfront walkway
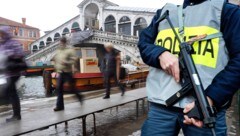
x=43, y=118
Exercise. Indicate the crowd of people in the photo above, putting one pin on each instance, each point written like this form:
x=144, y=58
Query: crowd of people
x=13, y=63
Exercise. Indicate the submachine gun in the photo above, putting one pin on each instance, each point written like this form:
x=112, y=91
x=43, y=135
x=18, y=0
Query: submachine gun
x=191, y=83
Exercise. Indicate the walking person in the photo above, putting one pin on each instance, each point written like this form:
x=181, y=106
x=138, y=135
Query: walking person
x=64, y=59
x=217, y=60
x=14, y=64
x=110, y=68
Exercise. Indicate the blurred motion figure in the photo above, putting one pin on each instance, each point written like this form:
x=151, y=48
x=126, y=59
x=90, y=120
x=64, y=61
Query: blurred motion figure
x=13, y=64
x=64, y=60
x=110, y=68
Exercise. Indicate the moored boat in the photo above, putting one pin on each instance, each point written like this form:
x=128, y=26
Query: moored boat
x=37, y=70
x=89, y=76
x=91, y=81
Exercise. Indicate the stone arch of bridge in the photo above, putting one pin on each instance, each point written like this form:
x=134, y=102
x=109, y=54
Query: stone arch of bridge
x=124, y=26
x=110, y=24
x=75, y=27
x=41, y=44
x=91, y=16
x=139, y=24
x=65, y=31
x=56, y=36
x=34, y=48
x=49, y=41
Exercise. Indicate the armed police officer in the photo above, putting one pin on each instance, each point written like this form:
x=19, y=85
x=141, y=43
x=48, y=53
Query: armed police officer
x=217, y=60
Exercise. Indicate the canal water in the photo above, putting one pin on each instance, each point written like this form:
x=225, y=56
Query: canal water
x=31, y=88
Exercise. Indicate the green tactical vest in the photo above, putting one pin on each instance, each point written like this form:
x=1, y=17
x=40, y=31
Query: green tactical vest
x=210, y=54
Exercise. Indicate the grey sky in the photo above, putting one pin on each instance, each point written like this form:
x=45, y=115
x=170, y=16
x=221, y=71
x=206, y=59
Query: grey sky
x=48, y=14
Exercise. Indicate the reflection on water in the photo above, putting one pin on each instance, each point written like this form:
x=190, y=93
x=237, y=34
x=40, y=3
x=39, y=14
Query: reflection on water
x=31, y=87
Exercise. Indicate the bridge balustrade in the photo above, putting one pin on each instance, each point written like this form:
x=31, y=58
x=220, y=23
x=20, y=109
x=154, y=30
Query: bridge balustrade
x=110, y=35
x=99, y=36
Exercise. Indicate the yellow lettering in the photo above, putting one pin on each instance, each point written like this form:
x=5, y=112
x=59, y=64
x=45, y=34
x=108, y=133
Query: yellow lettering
x=205, y=52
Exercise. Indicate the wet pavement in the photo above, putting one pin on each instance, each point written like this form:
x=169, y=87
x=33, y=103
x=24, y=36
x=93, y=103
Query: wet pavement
x=119, y=122
x=114, y=122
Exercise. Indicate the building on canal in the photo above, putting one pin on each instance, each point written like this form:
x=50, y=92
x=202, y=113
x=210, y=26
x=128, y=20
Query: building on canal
x=22, y=32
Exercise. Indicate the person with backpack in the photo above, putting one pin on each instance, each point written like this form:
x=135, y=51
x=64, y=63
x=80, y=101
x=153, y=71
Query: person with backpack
x=217, y=59
x=14, y=64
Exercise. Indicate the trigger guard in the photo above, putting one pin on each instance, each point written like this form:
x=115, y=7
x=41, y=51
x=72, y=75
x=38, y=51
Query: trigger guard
x=195, y=113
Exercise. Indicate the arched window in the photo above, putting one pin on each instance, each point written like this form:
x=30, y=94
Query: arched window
x=125, y=25
x=57, y=36
x=41, y=45
x=91, y=17
x=139, y=25
x=65, y=31
x=75, y=27
x=110, y=24
x=34, y=48
x=125, y=19
x=49, y=41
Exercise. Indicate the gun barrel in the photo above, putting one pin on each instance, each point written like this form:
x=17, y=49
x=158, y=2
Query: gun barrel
x=206, y=110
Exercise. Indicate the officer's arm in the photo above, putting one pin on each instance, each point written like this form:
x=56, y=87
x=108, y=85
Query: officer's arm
x=227, y=82
x=149, y=51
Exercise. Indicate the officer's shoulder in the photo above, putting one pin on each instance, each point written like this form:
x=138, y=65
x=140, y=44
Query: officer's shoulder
x=231, y=6
x=231, y=11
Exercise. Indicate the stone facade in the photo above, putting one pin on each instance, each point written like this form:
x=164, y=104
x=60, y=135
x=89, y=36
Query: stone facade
x=21, y=32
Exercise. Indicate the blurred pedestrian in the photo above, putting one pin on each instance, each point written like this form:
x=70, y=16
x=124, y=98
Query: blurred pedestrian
x=14, y=64
x=64, y=59
x=110, y=68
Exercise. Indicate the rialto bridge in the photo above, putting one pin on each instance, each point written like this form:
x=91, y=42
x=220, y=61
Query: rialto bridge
x=105, y=22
